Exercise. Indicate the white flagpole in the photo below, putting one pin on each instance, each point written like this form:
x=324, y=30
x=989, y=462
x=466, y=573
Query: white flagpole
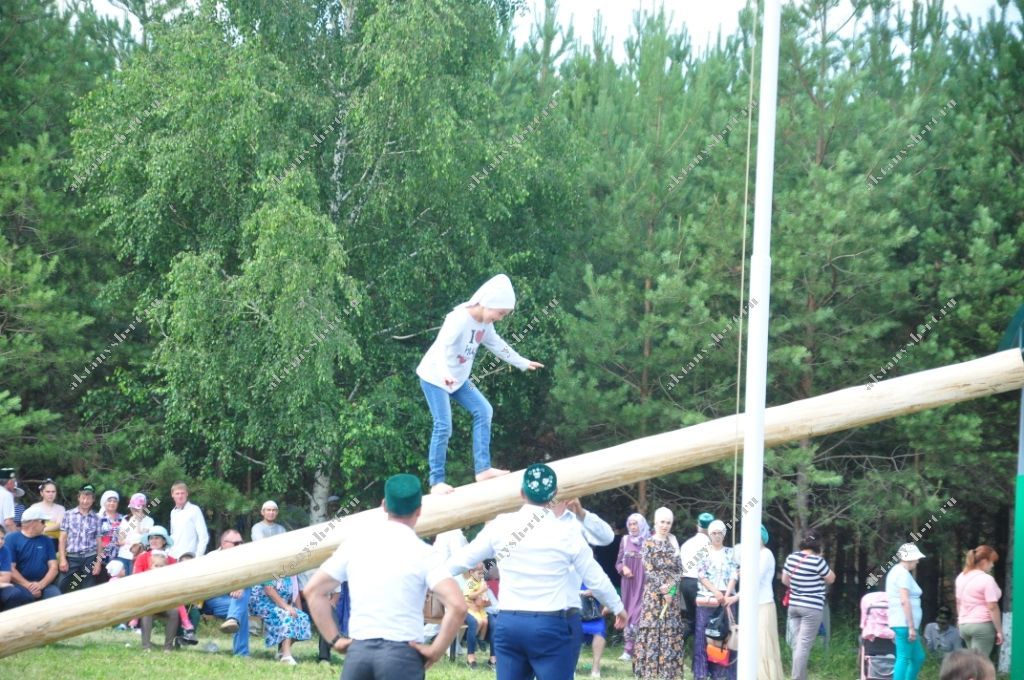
x=757, y=348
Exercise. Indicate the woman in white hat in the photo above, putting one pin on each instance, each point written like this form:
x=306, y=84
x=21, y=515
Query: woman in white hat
x=445, y=369
x=156, y=542
x=905, y=613
x=717, y=573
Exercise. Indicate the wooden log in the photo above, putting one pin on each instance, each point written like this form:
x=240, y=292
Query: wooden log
x=93, y=608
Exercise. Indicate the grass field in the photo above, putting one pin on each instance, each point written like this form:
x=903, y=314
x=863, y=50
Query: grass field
x=115, y=654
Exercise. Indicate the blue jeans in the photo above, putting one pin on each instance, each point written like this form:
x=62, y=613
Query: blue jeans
x=439, y=403
x=909, y=655
x=529, y=645
x=16, y=595
x=227, y=607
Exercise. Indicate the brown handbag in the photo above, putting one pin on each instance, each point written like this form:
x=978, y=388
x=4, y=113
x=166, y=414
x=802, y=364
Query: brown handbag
x=433, y=611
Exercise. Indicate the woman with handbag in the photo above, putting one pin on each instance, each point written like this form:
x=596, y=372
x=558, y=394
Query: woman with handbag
x=805, y=573
x=630, y=564
x=716, y=573
x=658, y=650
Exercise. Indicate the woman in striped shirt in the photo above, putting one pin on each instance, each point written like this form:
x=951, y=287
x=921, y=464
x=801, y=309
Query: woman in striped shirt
x=806, y=573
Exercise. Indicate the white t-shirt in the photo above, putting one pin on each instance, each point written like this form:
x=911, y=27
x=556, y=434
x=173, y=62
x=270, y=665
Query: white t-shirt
x=130, y=531
x=689, y=553
x=766, y=575
x=6, y=505
x=388, y=569
x=456, y=345
x=261, y=530
x=898, y=578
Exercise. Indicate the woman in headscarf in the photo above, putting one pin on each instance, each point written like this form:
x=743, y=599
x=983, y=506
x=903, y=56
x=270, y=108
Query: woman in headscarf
x=445, y=369
x=630, y=564
x=770, y=666
x=658, y=650
x=110, y=522
x=717, y=572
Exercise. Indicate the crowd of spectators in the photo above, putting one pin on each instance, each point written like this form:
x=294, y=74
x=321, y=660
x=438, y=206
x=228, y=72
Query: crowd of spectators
x=671, y=593
x=47, y=550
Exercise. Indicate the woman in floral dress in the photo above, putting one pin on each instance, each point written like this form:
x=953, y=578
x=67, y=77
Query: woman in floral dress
x=276, y=602
x=658, y=651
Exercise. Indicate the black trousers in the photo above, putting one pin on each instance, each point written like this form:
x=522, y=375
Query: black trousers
x=382, y=660
x=690, y=586
x=79, y=574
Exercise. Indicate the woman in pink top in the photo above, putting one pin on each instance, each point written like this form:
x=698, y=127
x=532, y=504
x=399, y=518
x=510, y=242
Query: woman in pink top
x=977, y=601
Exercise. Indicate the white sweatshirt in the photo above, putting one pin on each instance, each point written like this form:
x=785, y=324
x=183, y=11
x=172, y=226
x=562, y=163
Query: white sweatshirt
x=452, y=354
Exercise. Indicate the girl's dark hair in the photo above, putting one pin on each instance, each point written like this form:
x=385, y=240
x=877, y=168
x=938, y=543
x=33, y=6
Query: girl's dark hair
x=811, y=541
x=964, y=664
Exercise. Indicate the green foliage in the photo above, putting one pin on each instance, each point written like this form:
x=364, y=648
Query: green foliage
x=298, y=197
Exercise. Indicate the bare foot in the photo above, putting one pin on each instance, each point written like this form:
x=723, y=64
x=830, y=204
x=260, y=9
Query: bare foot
x=441, y=488
x=490, y=473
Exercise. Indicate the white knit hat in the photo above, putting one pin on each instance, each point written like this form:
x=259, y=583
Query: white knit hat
x=497, y=293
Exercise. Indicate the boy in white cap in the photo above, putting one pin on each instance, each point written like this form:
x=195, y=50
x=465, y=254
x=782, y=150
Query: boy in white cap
x=445, y=369
x=268, y=526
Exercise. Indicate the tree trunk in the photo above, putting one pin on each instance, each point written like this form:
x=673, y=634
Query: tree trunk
x=318, y=500
x=801, y=518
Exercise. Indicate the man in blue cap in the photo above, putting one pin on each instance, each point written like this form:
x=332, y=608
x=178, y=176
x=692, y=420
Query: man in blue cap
x=690, y=553
x=388, y=570
x=536, y=634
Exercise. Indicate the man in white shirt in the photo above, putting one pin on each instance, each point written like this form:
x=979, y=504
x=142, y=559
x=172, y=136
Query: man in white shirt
x=690, y=553
x=188, y=526
x=388, y=570
x=595, y=530
x=8, y=480
x=536, y=634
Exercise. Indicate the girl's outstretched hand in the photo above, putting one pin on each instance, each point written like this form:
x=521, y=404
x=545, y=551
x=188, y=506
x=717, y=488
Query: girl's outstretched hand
x=534, y=365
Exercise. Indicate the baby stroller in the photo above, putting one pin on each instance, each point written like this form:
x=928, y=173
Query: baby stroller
x=877, y=649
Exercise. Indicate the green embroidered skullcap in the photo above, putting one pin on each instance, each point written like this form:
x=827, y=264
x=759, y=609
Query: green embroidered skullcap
x=403, y=494
x=705, y=520
x=540, y=483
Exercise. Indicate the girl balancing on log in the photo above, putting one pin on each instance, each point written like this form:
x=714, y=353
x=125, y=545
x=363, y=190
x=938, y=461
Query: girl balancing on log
x=445, y=369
